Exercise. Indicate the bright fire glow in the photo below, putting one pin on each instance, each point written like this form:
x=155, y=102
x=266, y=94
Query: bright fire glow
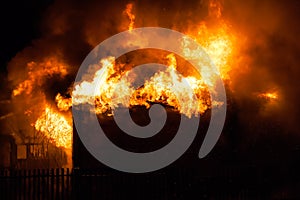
x=158, y=90
x=55, y=127
x=62, y=103
x=155, y=90
x=216, y=41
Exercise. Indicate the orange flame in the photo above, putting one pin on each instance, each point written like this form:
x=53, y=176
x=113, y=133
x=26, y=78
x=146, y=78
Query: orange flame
x=155, y=90
x=37, y=72
x=217, y=42
x=55, y=127
x=269, y=95
x=128, y=12
x=62, y=103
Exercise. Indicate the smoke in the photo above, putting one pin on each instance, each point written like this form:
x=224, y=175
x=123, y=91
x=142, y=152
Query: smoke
x=269, y=61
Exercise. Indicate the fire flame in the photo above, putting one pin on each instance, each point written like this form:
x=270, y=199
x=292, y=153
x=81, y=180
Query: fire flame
x=128, y=12
x=269, y=95
x=38, y=71
x=55, y=127
x=62, y=103
x=217, y=42
x=155, y=90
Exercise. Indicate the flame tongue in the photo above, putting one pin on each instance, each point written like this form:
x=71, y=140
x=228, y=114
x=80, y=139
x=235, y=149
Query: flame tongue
x=55, y=128
x=155, y=90
x=38, y=72
x=167, y=86
x=128, y=12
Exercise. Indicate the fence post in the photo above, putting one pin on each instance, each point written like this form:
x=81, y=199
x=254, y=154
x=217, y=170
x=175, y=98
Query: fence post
x=24, y=184
x=62, y=183
x=19, y=184
x=57, y=184
x=47, y=183
x=34, y=183
x=68, y=184
x=52, y=184
x=75, y=183
x=12, y=184
x=39, y=184
x=1, y=184
x=43, y=183
x=29, y=184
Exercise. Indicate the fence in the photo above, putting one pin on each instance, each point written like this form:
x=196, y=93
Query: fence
x=35, y=184
x=98, y=184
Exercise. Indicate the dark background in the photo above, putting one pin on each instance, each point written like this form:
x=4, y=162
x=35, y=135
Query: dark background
x=20, y=22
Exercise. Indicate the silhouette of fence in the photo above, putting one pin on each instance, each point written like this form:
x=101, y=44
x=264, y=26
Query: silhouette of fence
x=232, y=183
x=35, y=184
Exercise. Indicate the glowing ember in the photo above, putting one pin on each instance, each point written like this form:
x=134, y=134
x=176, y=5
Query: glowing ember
x=55, y=127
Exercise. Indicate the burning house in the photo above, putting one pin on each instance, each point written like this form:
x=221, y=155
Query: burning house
x=255, y=54
x=51, y=120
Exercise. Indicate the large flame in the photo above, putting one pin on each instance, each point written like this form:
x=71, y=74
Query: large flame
x=155, y=90
x=167, y=86
x=55, y=128
x=218, y=42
